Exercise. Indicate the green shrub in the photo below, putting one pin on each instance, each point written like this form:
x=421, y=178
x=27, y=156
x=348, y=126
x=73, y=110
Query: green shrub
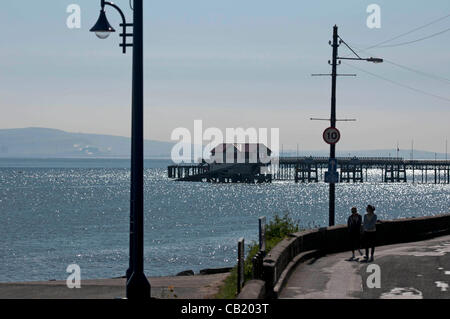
x=280, y=227
x=276, y=230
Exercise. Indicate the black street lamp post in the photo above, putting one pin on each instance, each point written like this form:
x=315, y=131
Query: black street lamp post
x=138, y=286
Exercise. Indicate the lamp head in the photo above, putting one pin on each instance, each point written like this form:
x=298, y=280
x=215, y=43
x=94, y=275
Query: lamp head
x=375, y=60
x=102, y=28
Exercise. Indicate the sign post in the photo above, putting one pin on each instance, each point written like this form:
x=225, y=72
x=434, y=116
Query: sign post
x=241, y=256
x=262, y=234
x=332, y=175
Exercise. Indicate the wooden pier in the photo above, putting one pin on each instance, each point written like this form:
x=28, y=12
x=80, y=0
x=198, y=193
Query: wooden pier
x=312, y=169
x=219, y=173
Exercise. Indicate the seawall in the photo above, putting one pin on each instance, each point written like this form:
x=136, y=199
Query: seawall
x=301, y=246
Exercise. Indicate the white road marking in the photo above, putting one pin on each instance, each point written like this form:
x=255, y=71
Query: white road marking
x=441, y=285
x=402, y=293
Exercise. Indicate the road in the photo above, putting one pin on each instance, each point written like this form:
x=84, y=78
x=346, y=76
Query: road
x=418, y=270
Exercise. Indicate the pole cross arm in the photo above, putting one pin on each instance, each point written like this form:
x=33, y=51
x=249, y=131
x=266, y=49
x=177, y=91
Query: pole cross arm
x=322, y=74
x=337, y=120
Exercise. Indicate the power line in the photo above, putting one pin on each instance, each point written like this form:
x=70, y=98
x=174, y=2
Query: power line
x=380, y=44
x=400, y=84
x=414, y=41
x=433, y=76
x=406, y=67
x=409, y=32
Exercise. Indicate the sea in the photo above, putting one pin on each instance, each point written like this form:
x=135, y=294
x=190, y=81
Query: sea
x=58, y=212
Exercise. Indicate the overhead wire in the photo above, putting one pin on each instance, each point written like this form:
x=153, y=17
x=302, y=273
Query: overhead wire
x=399, y=84
x=413, y=41
x=408, y=32
x=435, y=77
x=423, y=73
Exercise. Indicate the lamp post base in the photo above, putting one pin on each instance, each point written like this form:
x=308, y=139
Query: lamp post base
x=138, y=287
x=129, y=273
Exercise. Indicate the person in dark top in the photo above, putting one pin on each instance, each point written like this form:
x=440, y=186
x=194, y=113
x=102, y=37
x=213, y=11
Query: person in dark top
x=354, y=222
x=369, y=226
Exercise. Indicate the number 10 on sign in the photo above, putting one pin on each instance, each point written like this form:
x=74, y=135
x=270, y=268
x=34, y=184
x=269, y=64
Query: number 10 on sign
x=331, y=135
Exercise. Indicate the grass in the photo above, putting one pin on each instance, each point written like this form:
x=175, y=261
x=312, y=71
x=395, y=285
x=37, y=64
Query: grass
x=276, y=230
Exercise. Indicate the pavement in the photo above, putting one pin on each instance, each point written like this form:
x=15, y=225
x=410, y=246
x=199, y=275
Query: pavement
x=177, y=287
x=417, y=270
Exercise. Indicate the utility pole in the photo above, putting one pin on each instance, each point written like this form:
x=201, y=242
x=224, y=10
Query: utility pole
x=337, y=40
x=446, y=152
x=332, y=190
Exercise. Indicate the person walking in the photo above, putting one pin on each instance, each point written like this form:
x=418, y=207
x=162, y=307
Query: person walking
x=354, y=222
x=369, y=227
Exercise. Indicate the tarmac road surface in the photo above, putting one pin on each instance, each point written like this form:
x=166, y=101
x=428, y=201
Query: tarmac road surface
x=417, y=270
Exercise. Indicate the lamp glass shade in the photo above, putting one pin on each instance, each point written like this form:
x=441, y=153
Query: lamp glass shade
x=102, y=28
x=102, y=34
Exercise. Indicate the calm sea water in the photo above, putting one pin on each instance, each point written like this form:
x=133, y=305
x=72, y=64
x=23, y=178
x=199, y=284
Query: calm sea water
x=57, y=212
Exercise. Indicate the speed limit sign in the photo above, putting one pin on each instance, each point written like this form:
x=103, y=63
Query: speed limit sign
x=331, y=135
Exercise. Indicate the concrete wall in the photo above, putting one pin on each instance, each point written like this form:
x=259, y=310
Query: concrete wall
x=254, y=289
x=335, y=239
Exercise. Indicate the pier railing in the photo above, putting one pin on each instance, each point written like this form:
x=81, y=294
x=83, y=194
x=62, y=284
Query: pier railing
x=311, y=169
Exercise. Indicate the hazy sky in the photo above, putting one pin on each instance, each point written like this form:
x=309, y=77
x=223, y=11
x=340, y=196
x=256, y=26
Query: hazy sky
x=231, y=64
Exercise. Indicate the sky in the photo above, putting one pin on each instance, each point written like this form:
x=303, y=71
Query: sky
x=232, y=64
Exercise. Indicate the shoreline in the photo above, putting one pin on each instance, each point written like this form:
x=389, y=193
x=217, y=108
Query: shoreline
x=198, y=286
x=184, y=273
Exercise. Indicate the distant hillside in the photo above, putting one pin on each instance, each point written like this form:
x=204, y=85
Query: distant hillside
x=43, y=142
x=51, y=143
